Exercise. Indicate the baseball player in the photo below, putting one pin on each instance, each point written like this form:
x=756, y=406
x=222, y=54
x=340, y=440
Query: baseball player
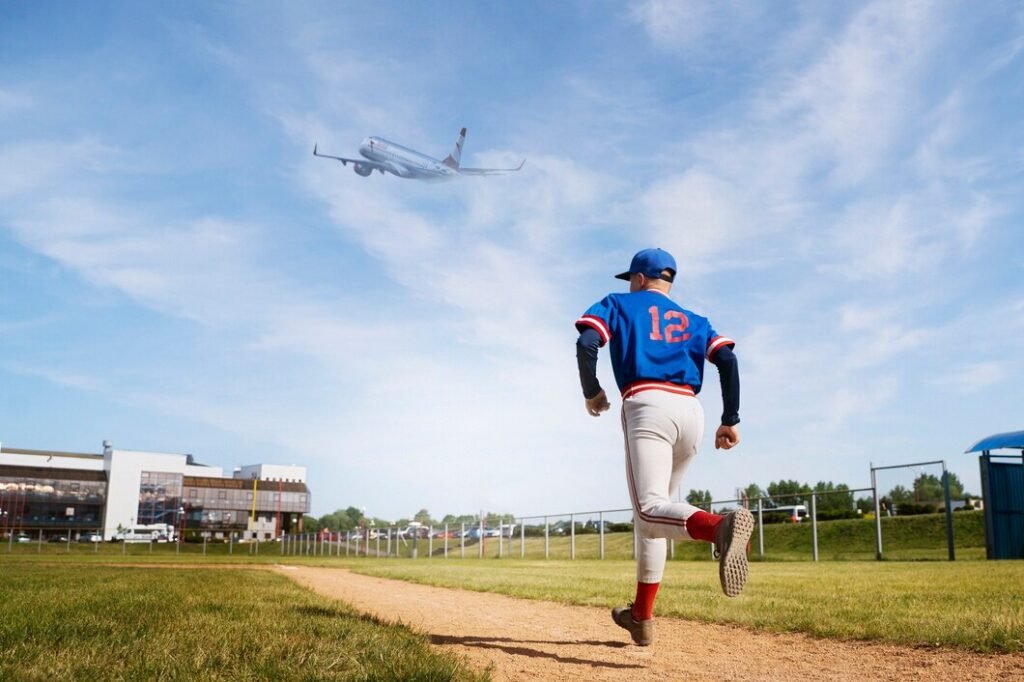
x=657, y=351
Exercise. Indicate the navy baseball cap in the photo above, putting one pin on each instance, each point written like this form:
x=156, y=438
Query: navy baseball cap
x=650, y=263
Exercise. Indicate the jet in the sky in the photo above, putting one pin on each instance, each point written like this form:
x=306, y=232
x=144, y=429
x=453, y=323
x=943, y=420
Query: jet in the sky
x=387, y=157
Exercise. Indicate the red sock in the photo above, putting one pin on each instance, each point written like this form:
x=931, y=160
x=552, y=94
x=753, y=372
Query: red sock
x=643, y=605
x=703, y=526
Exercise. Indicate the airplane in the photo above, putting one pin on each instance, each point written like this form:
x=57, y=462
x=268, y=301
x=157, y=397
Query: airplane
x=387, y=157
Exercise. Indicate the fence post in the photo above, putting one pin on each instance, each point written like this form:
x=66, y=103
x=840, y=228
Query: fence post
x=501, y=539
x=462, y=541
x=949, y=512
x=634, y=537
x=878, y=515
x=430, y=541
x=446, y=541
x=522, y=539
x=572, y=537
x=600, y=521
x=760, y=526
x=204, y=545
x=814, y=525
x=547, y=537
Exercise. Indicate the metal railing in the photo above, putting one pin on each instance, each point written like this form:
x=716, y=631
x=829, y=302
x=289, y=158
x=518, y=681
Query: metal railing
x=391, y=542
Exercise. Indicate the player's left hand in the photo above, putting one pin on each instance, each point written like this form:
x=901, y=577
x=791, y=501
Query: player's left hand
x=597, y=404
x=727, y=437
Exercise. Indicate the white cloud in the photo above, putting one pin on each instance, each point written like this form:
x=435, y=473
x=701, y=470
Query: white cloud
x=694, y=25
x=855, y=101
x=59, y=376
x=675, y=24
x=696, y=214
x=974, y=377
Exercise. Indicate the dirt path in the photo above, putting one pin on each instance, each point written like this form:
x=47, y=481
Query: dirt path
x=533, y=640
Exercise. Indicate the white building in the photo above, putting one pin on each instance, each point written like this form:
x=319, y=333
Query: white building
x=58, y=492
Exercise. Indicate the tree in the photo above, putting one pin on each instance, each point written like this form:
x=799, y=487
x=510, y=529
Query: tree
x=900, y=495
x=928, y=488
x=866, y=505
x=310, y=524
x=699, y=498
x=785, y=493
x=840, y=498
x=423, y=516
x=753, y=492
x=355, y=516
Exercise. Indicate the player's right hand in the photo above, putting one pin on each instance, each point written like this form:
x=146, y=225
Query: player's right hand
x=597, y=404
x=727, y=437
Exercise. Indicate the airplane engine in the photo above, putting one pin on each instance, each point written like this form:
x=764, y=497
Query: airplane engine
x=362, y=169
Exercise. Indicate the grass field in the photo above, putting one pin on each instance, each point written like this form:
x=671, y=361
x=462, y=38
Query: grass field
x=69, y=616
x=85, y=622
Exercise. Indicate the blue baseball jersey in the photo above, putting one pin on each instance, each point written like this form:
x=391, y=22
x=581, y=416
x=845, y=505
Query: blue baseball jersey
x=654, y=342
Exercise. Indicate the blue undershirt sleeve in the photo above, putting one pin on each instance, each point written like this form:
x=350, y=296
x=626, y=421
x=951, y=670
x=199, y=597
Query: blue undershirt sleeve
x=586, y=358
x=729, y=374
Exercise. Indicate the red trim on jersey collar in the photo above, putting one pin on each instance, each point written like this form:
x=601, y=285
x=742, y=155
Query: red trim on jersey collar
x=643, y=385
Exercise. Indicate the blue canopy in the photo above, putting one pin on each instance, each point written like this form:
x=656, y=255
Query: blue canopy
x=1014, y=439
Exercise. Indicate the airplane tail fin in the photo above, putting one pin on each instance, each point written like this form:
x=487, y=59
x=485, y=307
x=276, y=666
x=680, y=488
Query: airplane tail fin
x=455, y=158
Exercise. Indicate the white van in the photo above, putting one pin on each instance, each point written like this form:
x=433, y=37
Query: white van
x=796, y=512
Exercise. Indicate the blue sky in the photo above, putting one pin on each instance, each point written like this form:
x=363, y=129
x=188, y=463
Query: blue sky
x=841, y=184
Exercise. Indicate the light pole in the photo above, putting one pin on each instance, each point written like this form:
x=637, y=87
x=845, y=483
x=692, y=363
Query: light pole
x=181, y=520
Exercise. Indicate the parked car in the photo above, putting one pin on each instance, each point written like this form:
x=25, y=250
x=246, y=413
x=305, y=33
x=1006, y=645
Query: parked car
x=90, y=537
x=23, y=537
x=58, y=538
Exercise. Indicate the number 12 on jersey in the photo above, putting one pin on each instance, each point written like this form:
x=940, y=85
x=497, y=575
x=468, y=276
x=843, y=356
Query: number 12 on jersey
x=674, y=332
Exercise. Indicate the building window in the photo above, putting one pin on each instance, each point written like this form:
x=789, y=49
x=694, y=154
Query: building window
x=222, y=495
x=193, y=492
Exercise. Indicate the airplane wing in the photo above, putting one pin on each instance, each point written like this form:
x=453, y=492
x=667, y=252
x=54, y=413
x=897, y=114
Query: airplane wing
x=489, y=171
x=362, y=162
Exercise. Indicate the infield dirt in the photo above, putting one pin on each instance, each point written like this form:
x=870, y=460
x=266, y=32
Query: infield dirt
x=535, y=640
